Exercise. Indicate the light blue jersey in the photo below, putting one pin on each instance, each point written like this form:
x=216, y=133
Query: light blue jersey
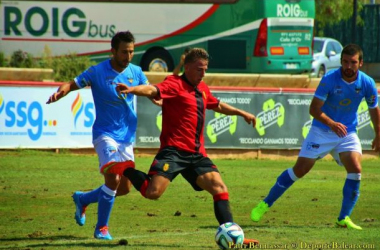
x=342, y=99
x=115, y=114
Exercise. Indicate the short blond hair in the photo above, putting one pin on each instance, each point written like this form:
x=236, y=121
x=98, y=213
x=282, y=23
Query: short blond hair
x=195, y=54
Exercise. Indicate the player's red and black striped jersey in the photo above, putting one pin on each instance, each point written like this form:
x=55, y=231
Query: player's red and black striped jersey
x=183, y=113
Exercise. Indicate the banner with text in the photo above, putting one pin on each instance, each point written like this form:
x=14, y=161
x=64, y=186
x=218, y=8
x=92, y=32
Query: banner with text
x=26, y=121
x=283, y=120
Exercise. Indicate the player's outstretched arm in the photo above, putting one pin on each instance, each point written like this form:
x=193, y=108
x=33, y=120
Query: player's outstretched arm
x=62, y=91
x=227, y=109
x=375, y=118
x=141, y=90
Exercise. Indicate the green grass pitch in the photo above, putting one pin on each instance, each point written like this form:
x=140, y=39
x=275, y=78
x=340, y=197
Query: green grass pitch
x=37, y=211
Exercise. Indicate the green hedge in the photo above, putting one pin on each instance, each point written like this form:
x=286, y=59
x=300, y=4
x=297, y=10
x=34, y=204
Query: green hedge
x=65, y=67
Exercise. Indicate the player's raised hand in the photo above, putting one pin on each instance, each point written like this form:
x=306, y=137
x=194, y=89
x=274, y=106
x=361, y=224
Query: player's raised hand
x=122, y=88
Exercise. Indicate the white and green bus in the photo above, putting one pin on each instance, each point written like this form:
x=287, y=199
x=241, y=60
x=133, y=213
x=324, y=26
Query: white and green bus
x=241, y=36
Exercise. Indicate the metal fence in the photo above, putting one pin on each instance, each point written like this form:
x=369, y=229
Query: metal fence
x=367, y=35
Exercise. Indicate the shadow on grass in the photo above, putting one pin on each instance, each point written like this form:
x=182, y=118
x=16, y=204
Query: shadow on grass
x=52, y=241
x=80, y=242
x=46, y=237
x=167, y=246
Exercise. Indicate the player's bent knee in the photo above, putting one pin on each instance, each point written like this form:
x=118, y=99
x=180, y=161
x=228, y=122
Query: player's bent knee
x=301, y=171
x=121, y=192
x=218, y=188
x=153, y=193
x=124, y=187
x=221, y=187
x=112, y=181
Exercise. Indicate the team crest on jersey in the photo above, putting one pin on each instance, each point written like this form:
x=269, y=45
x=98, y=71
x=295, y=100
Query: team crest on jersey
x=109, y=81
x=166, y=167
x=130, y=80
x=122, y=96
x=338, y=90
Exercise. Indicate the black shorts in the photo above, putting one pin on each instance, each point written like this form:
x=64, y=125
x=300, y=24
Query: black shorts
x=170, y=162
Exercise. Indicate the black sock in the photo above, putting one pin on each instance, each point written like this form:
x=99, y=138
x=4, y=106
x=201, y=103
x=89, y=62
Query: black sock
x=136, y=177
x=222, y=211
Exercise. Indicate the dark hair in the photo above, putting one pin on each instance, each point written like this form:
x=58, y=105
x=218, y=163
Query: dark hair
x=351, y=50
x=123, y=36
x=196, y=54
x=187, y=49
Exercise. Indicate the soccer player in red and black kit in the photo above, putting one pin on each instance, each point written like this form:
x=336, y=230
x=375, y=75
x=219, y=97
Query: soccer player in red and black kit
x=185, y=100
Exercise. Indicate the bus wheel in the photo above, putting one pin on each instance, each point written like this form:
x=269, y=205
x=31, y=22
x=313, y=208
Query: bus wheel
x=157, y=61
x=321, y=71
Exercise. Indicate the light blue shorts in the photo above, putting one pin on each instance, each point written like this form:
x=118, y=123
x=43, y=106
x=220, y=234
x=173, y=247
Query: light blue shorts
x=109, y=150
x=320, y=142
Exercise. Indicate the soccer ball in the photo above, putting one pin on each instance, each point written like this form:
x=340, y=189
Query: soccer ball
x=228, y=235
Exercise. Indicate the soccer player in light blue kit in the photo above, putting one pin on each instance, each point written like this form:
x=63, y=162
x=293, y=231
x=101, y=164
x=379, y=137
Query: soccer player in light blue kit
x=114, y=128
x=334, y=108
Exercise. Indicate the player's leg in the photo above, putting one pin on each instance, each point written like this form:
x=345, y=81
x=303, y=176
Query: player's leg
x=351, y=160
x=83, y=199
x=124, y=186
x=284, y=181
x=157, y=186
x=150, y=186
x=316, y=145
x=288, y=177
x=106, y=200
x=162, y=171
x=109, y=151
x=139, y=179
x=202, y=174
x=213, y=183
x=124, y=158
x=205, y=176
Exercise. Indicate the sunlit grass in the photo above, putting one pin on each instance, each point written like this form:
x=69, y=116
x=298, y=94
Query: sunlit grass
x=37, y=211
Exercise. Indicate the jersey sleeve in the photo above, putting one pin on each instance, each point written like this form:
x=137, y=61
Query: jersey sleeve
x=86, y=78
x=323, y=89
x=143, y=80
x=212, y=101
x=371, y=96
x=169, y=88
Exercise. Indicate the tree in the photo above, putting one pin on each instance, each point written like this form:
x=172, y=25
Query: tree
x=332, y=12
